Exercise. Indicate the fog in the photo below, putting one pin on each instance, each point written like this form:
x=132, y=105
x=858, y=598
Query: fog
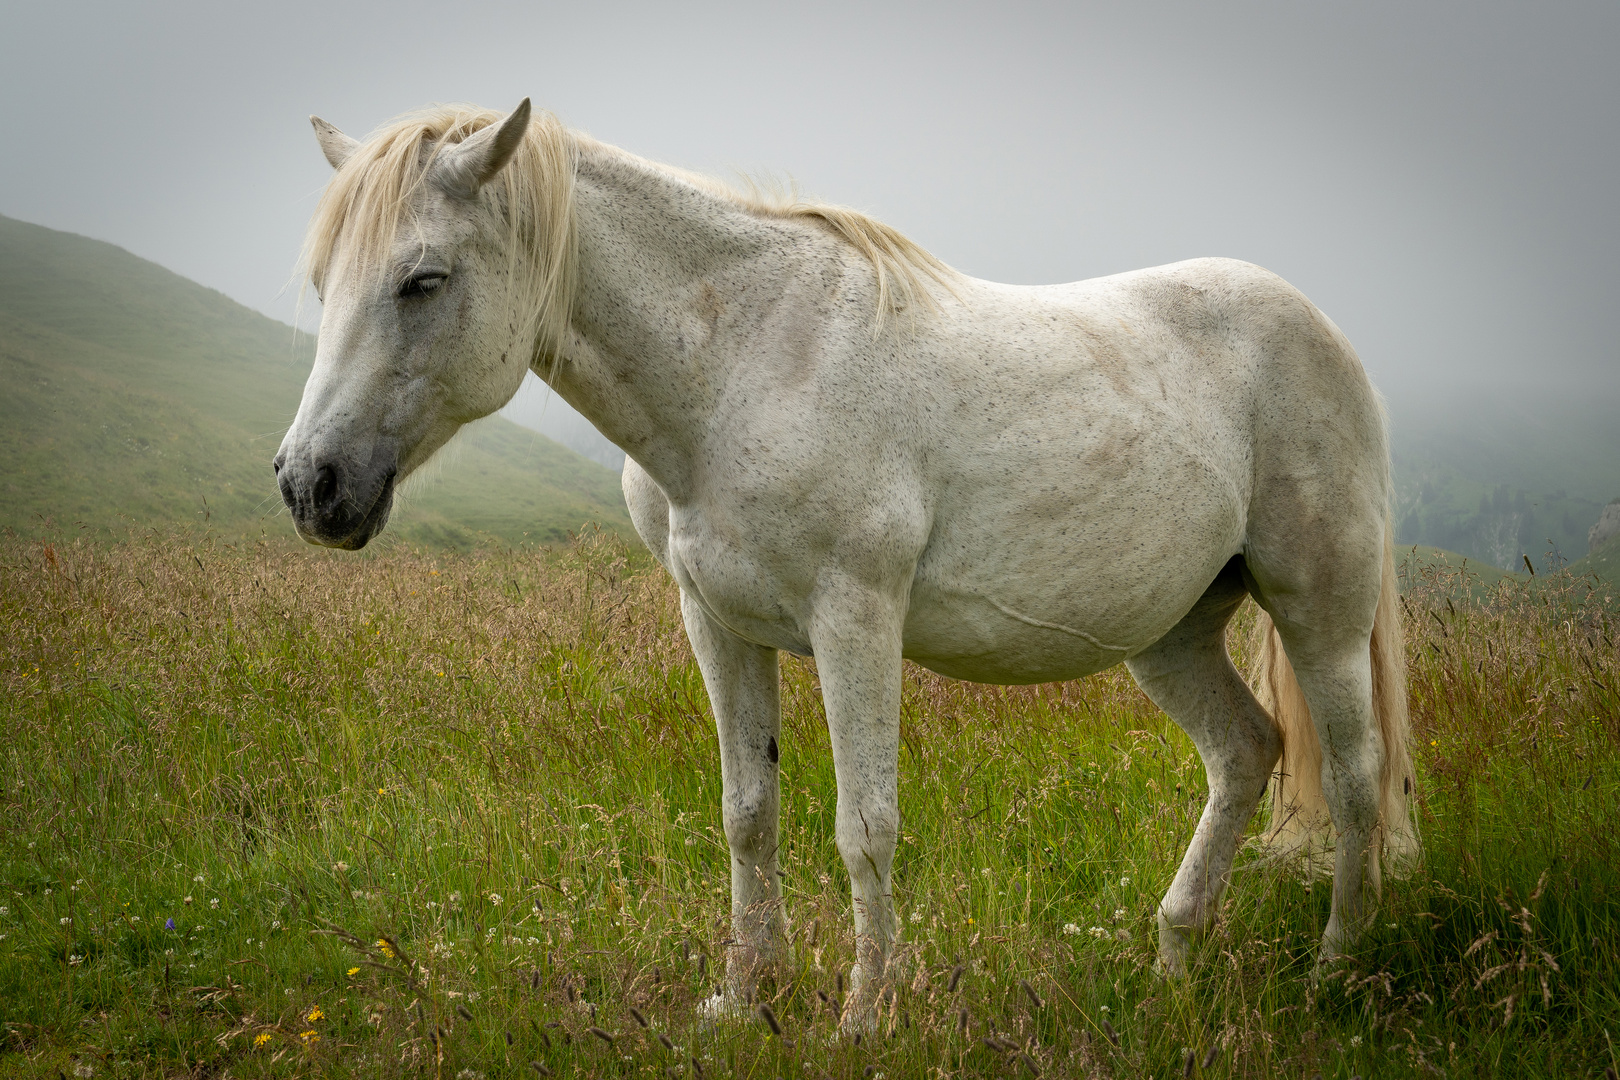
x=1439, y=179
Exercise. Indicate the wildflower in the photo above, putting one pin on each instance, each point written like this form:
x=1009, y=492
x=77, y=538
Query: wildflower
x=1072, y=930
x=198, y=879
x=916, y=916
x=1355, y=1040
x=214, y=902
x=275, y=924
x=357, y=894
x=353, y=972
x=168, y=924
x=495, y=898
x=75, y=960
x=261, y=1038
x=316, y=1014
x=66, y=921
x=1119, y=913
x=4, y=910
x=310, y=1036
x=341, y=867
x=1098, y=932
x=387, y=949
x=84, y=1070
x=1124, y=881
x=382, y=791
x=187, y=900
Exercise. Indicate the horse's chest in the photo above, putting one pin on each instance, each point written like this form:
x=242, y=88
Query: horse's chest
x=756, y=591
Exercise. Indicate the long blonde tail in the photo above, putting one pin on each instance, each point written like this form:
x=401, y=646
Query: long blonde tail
x=1299, y=813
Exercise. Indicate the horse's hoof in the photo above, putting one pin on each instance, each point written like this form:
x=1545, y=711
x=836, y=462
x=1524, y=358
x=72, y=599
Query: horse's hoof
x=719, y=1007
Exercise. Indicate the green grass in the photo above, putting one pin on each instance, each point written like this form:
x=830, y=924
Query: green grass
x=502, y=763
x=134, y=396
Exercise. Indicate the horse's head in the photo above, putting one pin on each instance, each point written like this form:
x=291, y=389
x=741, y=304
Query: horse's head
x=424, y=266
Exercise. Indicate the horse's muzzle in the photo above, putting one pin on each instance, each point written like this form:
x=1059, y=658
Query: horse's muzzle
x=336, y=505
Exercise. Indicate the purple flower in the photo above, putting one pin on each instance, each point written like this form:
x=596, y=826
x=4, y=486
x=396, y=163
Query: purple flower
x=168, y=924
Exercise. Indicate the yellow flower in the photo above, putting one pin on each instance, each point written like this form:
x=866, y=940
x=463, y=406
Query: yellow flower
x=387, y=950
x=261, y=1039
x=310, y=1036
x=353, y=972
x=316, y=1014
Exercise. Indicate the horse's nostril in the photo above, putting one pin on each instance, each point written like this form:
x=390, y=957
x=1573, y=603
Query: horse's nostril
x=276, y=466
x=326, y=486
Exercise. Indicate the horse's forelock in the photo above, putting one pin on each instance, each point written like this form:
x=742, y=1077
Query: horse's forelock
x=372, y=195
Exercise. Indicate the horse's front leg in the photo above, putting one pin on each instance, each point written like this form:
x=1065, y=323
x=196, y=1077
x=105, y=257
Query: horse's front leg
x=857, y=651
x=743, y=689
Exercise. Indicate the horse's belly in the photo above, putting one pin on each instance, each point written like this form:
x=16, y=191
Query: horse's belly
x=982, y=639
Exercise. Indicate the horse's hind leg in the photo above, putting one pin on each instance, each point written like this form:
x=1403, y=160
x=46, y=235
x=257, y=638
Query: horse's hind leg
x=1189, y=675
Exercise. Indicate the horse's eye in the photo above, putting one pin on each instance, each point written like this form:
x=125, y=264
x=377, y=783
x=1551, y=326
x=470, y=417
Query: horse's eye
x=420, y=286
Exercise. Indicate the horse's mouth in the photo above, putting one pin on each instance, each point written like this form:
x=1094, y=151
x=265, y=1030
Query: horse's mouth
x=375, y=519
x=343, y=530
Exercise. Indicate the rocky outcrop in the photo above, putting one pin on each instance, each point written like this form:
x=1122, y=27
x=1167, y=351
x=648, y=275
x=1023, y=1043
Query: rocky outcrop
x=1607, y=528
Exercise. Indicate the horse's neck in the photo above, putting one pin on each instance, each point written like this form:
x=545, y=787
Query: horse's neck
x=667, y=277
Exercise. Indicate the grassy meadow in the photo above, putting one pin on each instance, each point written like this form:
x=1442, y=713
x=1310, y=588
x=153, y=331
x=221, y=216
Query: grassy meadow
x=270, y=811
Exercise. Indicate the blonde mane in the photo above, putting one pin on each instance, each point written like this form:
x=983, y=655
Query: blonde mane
x=370, y=197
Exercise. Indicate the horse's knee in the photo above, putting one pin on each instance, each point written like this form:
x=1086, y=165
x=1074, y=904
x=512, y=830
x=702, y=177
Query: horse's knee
x=866, y=837
x=750, y=818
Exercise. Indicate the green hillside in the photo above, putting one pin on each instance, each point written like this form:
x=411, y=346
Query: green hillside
x=1501, y=473
x=136, y=397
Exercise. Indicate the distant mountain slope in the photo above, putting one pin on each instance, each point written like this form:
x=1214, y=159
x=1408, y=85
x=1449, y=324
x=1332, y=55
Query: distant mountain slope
x=134, y=396
x=1498, y=473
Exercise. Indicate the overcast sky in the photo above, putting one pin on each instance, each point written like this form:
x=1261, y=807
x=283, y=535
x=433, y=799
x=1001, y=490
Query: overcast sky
x=1440, y=178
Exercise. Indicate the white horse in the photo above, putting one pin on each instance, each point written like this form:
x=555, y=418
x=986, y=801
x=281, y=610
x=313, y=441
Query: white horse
x=841, y=448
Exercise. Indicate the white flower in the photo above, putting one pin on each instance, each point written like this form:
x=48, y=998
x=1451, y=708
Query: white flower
x=1072, y=930
x=47, y=891
x=84, y=1071
x=66, y=920
x=690, y=841
x=1124, y=881
x=455, y=898
x=985, y=871
x=134, y=918
x=916, y=916
x=187, y=900
x=357, y=894
x=1119, y=913
x=75, y=960
x=214, y=903
x=1104, y=1008
x=342, y=867
x=168, y=952
x=4, y=910
x=275, y=924
x=495, y=898
x=1355, y=1040
x=198, y=879
x=1098, y=932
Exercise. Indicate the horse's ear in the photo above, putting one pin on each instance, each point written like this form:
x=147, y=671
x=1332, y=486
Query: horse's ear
x=472, y=163
x=337, y=146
